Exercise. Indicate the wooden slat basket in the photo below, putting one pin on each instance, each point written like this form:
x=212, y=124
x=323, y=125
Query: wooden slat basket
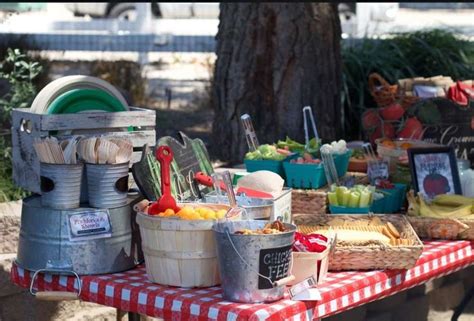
x=26, y=126
x=371, y=256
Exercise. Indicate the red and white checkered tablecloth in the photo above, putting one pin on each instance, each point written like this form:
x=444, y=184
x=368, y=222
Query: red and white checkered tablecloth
x=131, y=291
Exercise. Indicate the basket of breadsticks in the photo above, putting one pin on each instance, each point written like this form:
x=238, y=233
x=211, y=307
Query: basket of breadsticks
x=366, y=242
x=448, y=217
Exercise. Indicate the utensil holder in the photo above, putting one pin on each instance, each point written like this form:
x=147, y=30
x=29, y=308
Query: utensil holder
x=107, y=184
x=61, y=185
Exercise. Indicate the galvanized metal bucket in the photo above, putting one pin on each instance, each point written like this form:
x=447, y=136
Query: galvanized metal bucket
x=256, y=208
x=253, y=268
x=107, y=184
x=48, y=240
x=61, y=185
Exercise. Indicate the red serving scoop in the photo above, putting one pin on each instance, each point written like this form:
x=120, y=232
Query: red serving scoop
x=164, y=155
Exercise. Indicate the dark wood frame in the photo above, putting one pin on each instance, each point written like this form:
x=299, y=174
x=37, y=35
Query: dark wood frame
x=435, y=150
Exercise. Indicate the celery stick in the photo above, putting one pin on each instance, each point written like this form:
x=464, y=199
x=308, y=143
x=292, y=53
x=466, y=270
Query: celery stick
x=345, y=198
x=332, y=197
x=340, y=190
x=354, y=199
x=364, y=199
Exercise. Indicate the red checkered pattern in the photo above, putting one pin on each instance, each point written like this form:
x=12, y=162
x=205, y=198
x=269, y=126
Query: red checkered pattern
x=131, y=291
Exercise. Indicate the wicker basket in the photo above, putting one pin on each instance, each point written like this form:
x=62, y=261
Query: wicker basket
x=385, y=94
x=446, y=229
x=374, y=256
x=311, y=201
x=308, y=201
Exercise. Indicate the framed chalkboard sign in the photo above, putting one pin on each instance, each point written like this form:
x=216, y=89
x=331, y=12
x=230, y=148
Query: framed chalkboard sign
x=447, y=123
x=275, y=264
x=434, y=171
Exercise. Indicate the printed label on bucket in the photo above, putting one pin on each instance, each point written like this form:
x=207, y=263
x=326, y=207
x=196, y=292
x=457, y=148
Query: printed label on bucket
x=89, y=225
x=275, y=264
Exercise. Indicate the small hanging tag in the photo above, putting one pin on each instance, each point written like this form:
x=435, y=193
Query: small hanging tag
x=377, y=170
x=305, y=290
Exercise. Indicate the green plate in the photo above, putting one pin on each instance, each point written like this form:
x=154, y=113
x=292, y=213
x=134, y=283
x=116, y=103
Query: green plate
x=83, y=100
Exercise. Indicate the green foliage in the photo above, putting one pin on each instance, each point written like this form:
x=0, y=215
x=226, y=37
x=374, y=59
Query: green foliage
x=404, y=55
x=8, y=190
x=19, y=73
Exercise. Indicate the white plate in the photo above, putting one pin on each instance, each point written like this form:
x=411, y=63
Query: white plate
x=59, y=86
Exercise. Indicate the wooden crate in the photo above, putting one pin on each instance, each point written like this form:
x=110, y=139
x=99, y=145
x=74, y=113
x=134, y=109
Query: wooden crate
x=27, y=126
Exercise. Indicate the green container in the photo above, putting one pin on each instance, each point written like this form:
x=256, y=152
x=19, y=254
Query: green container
x=312, y=176
x=348, y=210
x=392, y=202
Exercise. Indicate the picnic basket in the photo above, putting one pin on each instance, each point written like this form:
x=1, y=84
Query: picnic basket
x=373, y=256
x=446, y=228
x=385, y=94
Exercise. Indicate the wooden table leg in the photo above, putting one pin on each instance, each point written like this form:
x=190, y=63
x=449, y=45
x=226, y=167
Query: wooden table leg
x=120, y=315
x=465, y=301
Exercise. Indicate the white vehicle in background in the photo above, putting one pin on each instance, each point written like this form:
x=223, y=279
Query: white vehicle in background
x=128, y=10
x=357, y=19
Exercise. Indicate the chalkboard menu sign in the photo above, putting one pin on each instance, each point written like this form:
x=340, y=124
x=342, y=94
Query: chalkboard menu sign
x=447, y=123
x=275, y=264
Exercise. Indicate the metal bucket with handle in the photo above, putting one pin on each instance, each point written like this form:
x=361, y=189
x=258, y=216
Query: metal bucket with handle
x=253, y=268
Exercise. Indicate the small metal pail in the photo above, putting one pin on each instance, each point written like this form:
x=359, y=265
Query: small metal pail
x=61, y=185
x=107, y=184
x=253, y=268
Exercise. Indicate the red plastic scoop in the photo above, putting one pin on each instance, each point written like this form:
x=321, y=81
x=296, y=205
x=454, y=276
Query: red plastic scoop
x=164, y=155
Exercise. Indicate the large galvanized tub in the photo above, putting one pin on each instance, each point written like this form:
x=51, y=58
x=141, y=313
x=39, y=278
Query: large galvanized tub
x=83, y=240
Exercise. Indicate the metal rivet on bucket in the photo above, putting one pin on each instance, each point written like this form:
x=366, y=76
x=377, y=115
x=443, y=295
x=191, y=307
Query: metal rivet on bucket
x=61, y=185
x=107, y=184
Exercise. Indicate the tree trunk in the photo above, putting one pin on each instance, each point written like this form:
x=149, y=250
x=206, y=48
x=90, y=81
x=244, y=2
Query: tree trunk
x=272, y=60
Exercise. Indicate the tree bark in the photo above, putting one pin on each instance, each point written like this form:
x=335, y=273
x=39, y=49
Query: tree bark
x=272, y=60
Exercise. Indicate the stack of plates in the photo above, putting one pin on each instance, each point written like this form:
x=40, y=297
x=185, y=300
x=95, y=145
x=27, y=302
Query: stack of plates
x=76, y=94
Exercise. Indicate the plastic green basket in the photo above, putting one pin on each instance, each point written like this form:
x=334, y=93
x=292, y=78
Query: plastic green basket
x=312, y=175
x=348, y=210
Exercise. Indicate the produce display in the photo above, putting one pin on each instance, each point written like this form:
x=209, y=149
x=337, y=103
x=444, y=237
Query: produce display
x=189, y=213
x=306, y=159
x=268, y=152
x=442, y=206
x=336, y=147
x=357, y=196
x=295, y=147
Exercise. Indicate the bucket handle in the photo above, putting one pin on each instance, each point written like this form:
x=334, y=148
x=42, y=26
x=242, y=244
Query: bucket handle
x=274, y=284
x=56, y=295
